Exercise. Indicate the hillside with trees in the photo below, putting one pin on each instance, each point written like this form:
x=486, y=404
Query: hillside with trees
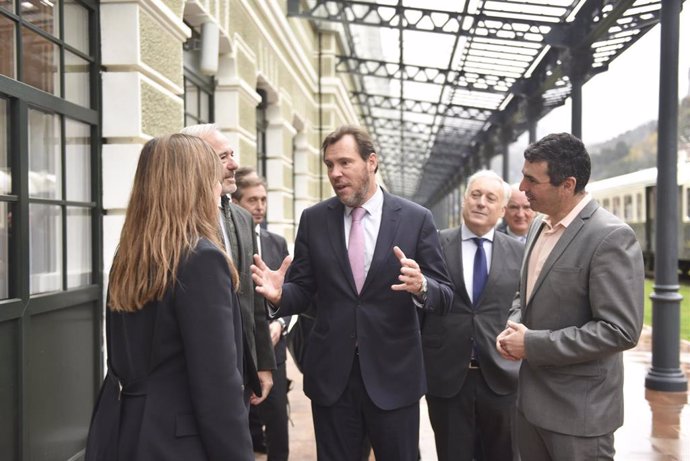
x=635, y=149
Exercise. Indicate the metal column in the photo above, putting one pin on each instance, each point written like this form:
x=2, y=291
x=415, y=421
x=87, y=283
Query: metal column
x=665, y=374
x=506, y=136
x=534, y=108
x=578, y=69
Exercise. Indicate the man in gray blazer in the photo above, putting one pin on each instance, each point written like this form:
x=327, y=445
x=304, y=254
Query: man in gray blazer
x=240, y=237
x=471, y=388
x=579, y=307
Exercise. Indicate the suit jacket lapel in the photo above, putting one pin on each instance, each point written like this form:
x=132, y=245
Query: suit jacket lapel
x=336, y=229
x=234, y=236
x=452, y=250
x=390, y=219
x=534, y=231
x=266, y=244
x=498, y=249
x=566, y=239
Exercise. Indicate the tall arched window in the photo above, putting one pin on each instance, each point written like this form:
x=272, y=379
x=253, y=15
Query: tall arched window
x=198, y=88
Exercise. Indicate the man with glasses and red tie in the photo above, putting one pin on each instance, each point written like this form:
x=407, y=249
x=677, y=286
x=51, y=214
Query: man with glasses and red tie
x=371, y=261
x=472, y=389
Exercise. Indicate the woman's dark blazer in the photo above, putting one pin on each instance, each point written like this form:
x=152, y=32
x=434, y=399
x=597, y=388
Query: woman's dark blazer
x=178, y=361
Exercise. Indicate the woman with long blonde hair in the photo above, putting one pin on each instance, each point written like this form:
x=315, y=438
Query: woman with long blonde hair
x=174, y=384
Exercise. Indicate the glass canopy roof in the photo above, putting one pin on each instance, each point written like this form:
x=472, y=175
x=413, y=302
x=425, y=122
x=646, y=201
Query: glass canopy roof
x=443, y=85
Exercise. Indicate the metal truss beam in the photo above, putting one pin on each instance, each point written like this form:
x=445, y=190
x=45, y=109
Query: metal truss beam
x=421, y=74
x=407, y=126
x=417, y=106
x=506, y=54
x=409, y=18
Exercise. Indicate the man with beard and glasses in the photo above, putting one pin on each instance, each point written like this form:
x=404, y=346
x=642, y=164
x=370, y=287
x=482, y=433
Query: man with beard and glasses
x=371, y=261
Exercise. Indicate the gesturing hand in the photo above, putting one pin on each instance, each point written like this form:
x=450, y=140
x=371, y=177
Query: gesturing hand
x=269, y=283
x=410, y=274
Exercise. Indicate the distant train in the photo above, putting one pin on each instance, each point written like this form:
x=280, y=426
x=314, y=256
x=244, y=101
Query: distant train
x=632, y=197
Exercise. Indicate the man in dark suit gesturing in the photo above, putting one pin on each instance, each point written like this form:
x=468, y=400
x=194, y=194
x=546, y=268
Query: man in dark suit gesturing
x=370, y=260
x=579, y=307
x=471, y=387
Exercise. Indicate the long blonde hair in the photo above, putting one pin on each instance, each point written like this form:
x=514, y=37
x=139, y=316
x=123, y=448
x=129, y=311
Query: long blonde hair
x=171, y=207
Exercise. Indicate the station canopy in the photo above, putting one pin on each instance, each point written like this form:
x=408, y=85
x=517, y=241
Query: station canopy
x=444, y=85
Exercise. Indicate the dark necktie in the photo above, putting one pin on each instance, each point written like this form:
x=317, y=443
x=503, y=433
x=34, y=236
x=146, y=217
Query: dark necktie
x=480, y=272
x=355, y=247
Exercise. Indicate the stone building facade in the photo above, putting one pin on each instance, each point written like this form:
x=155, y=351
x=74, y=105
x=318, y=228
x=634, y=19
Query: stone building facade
x=83, y=85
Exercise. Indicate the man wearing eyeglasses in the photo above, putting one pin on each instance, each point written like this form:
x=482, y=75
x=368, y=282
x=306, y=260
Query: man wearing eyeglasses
x=518, y=215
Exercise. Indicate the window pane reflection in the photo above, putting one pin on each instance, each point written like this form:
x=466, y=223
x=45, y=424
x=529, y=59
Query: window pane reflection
x=204, y=105
x=78, y=247
x=44, y=155
x=191, y=101
x=78, y=161
x=77, y=87
x=41, y=61
x=5, y=229
x=45, y=240
x=41, y=13
x=7, y=47
x=5, y=173
x=76, y=26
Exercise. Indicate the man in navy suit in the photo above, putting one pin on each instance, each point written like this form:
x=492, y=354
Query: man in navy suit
x=369, y=277
x=252, y=196
x=472, y=389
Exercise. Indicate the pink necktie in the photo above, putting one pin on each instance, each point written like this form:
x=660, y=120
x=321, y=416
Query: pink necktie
x=355, y=248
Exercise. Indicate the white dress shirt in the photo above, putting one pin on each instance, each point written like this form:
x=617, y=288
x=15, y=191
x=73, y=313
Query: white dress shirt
x=257, y=231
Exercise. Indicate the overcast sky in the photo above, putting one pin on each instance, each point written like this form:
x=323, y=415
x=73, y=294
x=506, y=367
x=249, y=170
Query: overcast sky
x=627, y=95
x=620, y=99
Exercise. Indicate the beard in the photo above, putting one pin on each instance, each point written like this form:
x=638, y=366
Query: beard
x=358, y=195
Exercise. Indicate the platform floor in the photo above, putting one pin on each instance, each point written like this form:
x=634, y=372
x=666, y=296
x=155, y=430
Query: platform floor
x=657, y=425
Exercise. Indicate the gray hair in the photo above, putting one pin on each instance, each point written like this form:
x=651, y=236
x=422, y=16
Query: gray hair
x=200, y=131
x=491, y=175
